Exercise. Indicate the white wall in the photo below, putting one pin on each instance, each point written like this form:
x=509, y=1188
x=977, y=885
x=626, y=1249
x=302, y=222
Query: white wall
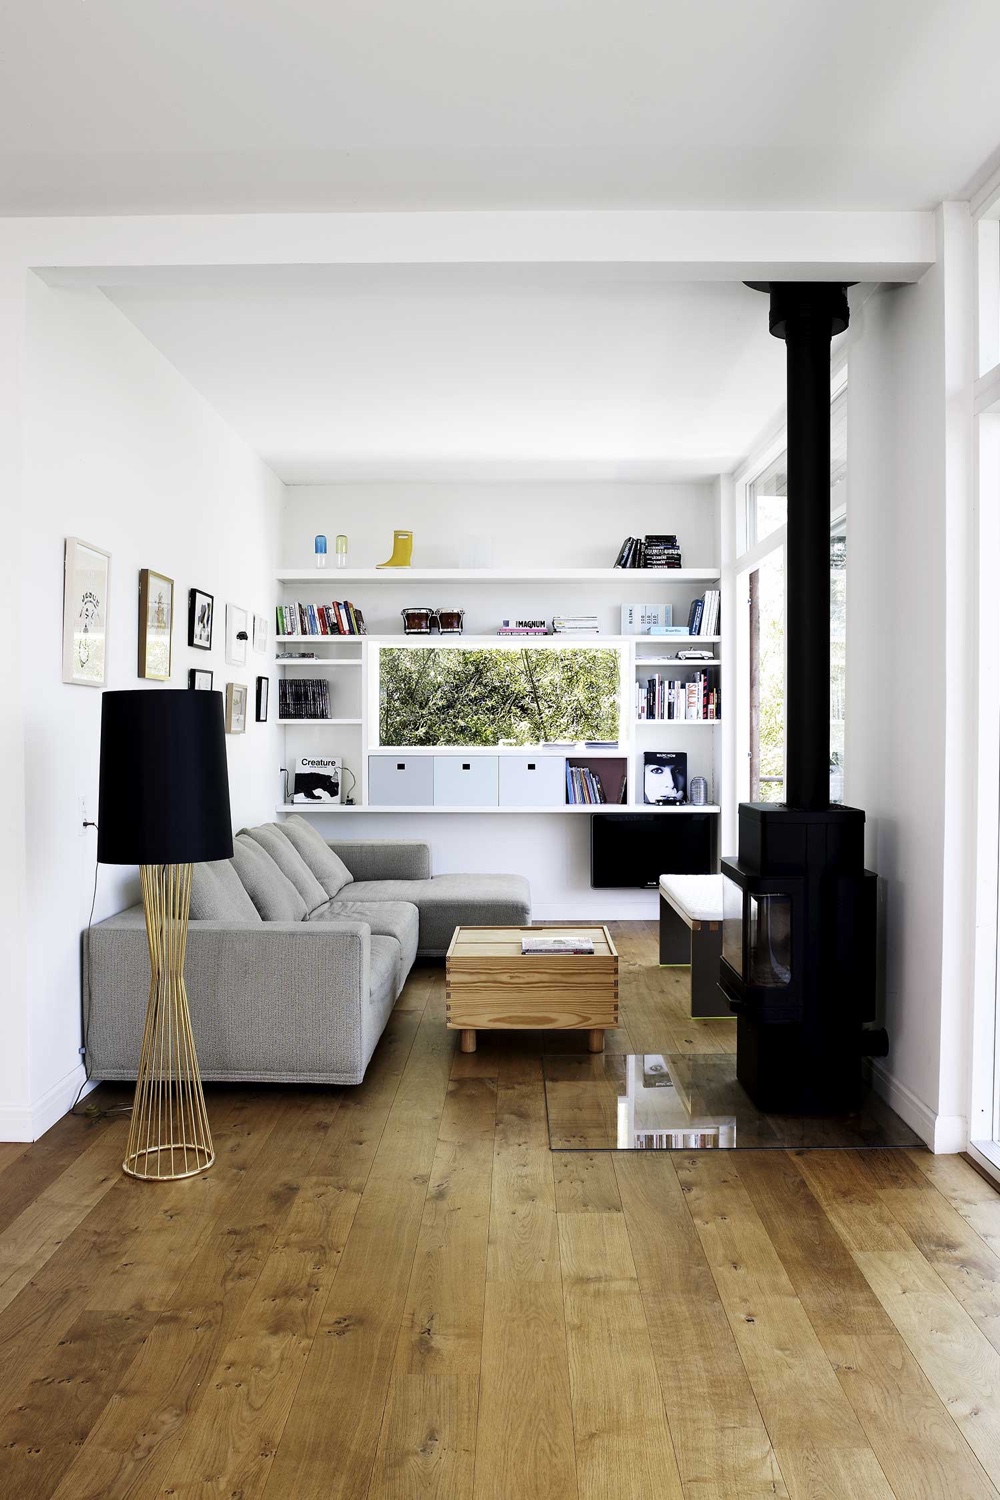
x=120, y=450
x=910, y=708
x=491, y=525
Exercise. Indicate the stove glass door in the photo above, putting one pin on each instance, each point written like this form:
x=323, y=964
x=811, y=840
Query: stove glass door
x=770, y=943
x=732, y=924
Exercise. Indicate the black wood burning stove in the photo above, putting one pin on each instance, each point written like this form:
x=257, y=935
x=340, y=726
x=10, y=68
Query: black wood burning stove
x=798, y=946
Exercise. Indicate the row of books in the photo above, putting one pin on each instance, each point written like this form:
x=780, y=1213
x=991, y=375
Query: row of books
x=575, y=625
x=695, y=697
x=703, y=616
x=338, y=618
x=584, y=786
x=649, y=552
x=304, y=698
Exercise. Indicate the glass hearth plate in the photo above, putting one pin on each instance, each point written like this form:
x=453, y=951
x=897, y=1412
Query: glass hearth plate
x=684, y=1102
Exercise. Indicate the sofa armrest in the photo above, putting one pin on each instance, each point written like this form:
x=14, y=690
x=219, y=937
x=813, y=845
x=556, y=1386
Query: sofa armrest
x=384, y=859
x=269, y=1000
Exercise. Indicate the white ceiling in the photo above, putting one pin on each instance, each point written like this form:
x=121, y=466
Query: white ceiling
x=412, y=372
x=137, y=106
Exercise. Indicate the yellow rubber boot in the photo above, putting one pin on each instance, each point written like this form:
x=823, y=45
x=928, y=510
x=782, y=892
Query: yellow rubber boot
x=402, y=550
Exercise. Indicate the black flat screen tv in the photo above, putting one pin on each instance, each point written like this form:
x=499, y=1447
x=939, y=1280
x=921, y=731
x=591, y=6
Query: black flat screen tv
x=635, y=849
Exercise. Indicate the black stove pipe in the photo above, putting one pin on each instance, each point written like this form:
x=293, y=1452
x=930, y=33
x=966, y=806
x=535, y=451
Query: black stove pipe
x=806, y=314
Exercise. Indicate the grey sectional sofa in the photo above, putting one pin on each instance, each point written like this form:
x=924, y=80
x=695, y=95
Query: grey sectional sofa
x=296, y=953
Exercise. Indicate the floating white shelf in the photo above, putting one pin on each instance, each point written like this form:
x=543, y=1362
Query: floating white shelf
x=536, y=752
x=329, y=576
x=671, y=661
x=317, y=661
x=575, y=807
x=299, y=723
x=400, y=639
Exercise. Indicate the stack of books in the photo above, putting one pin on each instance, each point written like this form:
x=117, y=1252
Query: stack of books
x=549, y=945
x=659, y=551
x=523, y=627
x=304, y=698
x=703, y=618
x=338, y=618
x=575, y=625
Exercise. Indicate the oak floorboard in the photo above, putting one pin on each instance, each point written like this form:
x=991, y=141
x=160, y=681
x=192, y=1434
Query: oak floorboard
x=816, y=1435
x=523, y=1239
x=327, y=1451
x=719, y=1437
x=525, y=1445
x=427, y=1450
x=442, y=1329
x=957, y=1358
x=585, y=1182
x=623, y=1445
x=977, y=1200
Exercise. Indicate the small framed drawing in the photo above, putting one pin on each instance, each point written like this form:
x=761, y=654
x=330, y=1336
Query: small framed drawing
x=263, y=690
x=201, y=615
x=156, y=624
x=86, y=575
x=260, y=634
x=236, y=707
x=200, y=679
x=237, y=640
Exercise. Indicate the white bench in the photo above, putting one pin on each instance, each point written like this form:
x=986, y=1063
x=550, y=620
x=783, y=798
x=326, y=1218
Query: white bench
x=691, y=934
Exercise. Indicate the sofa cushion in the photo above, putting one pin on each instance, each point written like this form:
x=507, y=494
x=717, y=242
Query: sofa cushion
x=329, y=869
x=449, y=901
x=273, y=840
x=218, y=895
x=395, y=919
x=271, y=892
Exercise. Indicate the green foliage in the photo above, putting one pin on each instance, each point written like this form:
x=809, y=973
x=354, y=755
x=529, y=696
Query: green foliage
x=445, y=696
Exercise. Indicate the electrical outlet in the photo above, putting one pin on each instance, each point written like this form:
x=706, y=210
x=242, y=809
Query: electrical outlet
x=84, y=817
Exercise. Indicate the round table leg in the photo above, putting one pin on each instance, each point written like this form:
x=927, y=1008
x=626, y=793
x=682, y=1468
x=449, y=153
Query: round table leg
x=595, y=1039
x=467, y=1041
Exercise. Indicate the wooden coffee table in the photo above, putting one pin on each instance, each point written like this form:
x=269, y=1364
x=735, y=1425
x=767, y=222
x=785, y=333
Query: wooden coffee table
x=492, y=986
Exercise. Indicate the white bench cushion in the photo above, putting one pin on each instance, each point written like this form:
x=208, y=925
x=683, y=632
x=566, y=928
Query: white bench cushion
x=696, y=898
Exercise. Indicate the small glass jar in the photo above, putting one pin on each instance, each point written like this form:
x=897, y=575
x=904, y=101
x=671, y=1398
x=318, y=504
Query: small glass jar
x=341, y=551
x=319, y=546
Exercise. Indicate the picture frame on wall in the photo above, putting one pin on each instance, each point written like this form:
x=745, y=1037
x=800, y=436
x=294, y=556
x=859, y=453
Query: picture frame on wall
x=236, y=707
x=237, y=639
x=260, y=634
x=156, y=625
x=200, y=679
x=263, y=693
x=201, y=619
x=86, y=585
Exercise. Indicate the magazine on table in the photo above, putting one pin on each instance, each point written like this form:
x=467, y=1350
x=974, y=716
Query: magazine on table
x=551, y=945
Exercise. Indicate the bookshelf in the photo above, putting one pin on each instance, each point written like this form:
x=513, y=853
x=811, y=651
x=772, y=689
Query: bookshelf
x=352, y=663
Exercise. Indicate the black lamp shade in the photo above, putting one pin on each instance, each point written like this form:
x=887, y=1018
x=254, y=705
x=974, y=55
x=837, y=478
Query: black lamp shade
x=164, y=797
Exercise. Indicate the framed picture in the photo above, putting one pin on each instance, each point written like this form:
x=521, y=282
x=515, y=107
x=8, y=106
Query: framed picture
x=86, y=576
x=237, y=640
x=201, y=617
x=156, y=624
x=260, y=634
x=200, y=679
x=263, y=690
x=236, y=707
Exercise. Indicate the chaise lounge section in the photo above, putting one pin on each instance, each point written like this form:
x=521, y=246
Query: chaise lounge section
x=297, y=951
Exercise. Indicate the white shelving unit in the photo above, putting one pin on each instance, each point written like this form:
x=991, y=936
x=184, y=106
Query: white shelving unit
x=352, y=733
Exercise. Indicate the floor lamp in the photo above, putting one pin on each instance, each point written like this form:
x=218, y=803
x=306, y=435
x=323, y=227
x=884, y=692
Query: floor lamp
x=164, y=806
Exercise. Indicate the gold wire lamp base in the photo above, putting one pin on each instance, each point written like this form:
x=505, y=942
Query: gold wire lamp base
x=169, y=1136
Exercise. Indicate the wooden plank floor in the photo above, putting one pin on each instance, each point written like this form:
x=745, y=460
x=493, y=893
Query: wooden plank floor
x=397, y=1292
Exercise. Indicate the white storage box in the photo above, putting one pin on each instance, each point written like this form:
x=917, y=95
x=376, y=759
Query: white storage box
x=401, y=780
x=532, y=781
x=465, y=781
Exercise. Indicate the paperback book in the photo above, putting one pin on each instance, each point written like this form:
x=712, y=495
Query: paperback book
x=317, y=779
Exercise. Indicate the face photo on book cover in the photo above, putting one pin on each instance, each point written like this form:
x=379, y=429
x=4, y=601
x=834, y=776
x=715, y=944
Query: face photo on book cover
x=664, y=777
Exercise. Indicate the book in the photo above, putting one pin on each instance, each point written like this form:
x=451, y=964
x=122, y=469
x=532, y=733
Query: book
x=317, y=779
x=639, y=619
x=549, y=945
x=664, y=777
x=304, y=698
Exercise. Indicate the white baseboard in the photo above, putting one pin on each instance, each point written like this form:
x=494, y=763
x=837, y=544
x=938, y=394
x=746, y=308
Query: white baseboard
x=30, y=1123
x=944, y=1134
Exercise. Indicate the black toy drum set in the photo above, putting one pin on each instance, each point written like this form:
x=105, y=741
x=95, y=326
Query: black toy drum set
x=433, y=621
